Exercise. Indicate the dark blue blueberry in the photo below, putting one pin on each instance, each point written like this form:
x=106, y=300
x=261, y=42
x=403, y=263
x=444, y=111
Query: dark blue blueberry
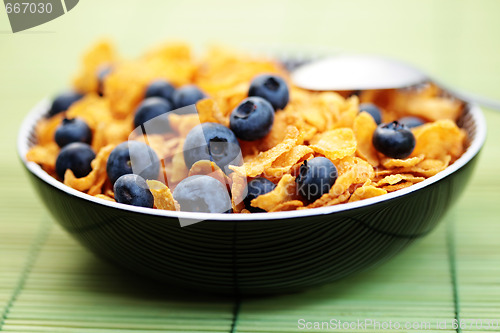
x=160, y=88
x=252, y=119
x=394, y=140
x=256, y=187
x=272, y=88
x=77, y=157
x=73, y=130
x=102, y=73
x=63, y=102
x=373, y=110
x=187, y=95
x=132, y=157
x=153, y=107
x=133, y=190
x=202, y=194
x=315, y=178
x=411, y=121
x=214, y=142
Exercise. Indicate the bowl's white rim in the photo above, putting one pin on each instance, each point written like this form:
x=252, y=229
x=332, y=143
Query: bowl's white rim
x=41, y=108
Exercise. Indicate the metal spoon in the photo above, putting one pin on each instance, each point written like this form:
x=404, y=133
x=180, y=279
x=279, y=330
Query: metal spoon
x=363, y=72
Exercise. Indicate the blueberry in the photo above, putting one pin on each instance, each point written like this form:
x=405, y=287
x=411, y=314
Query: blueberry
x=272, y=88
x=315, y=178
x=214, y=142
x=202, y=194
x=77, y=157
x=256, y=187
x=187, y=95
x=411, y=121
x=73, y=130
x=394, y=140
x=102, y=73
x=133, y=190
x=160, y=88
x=252, y=119
x=373, y=110
x=153, y=107
x=63, y=102
x=132, y=157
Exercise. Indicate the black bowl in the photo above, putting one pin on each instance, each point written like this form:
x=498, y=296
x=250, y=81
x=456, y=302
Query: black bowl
x=249, y=254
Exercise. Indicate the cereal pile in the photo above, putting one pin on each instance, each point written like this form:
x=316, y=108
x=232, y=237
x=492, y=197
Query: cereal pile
x=297, y=149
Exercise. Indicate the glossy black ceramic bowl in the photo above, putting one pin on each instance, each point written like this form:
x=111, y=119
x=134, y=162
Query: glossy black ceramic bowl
x=251, y=254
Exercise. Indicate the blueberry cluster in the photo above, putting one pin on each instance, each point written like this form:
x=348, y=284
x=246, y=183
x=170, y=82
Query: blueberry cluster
x=132, y=162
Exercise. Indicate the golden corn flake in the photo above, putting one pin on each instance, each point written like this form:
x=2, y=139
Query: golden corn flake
x=96, y=188
x=163, y=198
x=209, y=168
x=343, y=198
x=45, y=156
x=208, y=111
x=104, y=197
x=275, y=136
x=264, y=160
x=172, y=61
x=125, y=86
x=95, y=176
x=391, y=163
x=286, y=161
x=381, y=173
x=321, y=110
x=284, y=191
x=352, y=170
x=117, y=132
x=439, y=139
x=172, y=51
x=238, y=191
x=331, y=104
x=92, y=109
x=348, y=113
x=395, y=187
x=396, y=178
x=335, y=144
x=178, y=168
x=229, y=98
x=365, y=192
x=108, y=190
x=46, y=128
x=289, y=205
x=162, y=148
x=101, y=54
x=426, y=168
x=429, y=167
x=182, y=124
x=224, y=68
x=436, y=108
x=363, y=128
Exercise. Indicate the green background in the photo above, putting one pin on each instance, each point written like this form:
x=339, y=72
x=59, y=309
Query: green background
x=48, y=283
